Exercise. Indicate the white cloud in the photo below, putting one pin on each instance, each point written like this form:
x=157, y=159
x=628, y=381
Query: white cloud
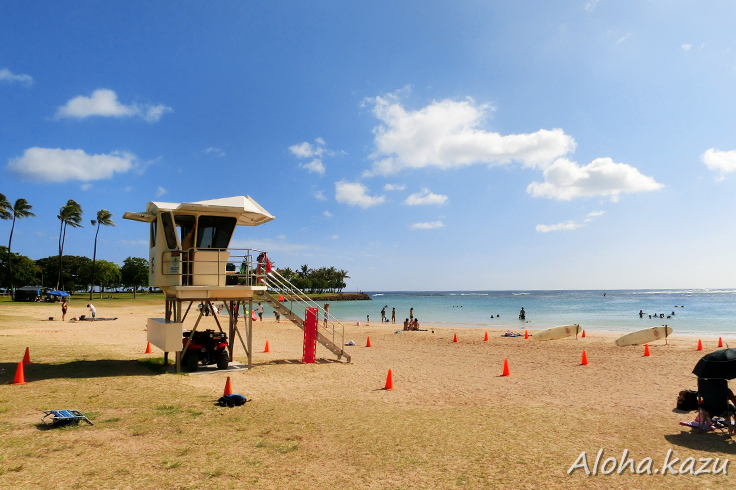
x=590, y=6
x=566, y=180
x=335, y=237
x=57, y=165
x=623, y=38
x=320, y=196
x=85, y=187
x=566, y=226
x=448, y=134
x=10, y=77
x=593, y=214
x=315, y=166
x=722, y=161
x=328, y=214
x=104, y=102
x=424, y=198
x=160, y=191
x=431, y=225
x=394, y=187
x=306, y=150
x=686, y=47
x=355, y=194
x=217, y=151
x=152, y=113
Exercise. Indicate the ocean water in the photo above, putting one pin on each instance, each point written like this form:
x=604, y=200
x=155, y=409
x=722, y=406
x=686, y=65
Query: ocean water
x=696, y=311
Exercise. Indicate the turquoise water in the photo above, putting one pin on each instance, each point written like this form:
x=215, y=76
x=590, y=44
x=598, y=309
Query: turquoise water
x=697, y=311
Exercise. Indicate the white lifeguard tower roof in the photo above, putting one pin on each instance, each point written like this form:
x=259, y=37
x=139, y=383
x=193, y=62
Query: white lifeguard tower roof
x=248, y=212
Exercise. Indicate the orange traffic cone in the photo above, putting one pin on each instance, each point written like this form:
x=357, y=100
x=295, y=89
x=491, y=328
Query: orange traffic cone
x=720, y=342
x=646, y=350
x=368, y=342
x=485, y=339
x=148, y=348
x=583, y=333
x=228, y=387
x=506, y=371
x=526, y=334
x=389, y=381
x=700, y=345
x=20, y=377
x=266, y=349
x=454, y=338
x=27, y=357
x=584, y=362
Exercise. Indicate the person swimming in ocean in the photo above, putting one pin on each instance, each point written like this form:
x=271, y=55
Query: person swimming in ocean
x=522, y=314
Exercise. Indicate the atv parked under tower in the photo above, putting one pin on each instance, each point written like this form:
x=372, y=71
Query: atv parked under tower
x=208, y=347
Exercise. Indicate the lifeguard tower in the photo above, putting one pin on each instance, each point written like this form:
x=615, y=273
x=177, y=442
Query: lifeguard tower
x=190, y=260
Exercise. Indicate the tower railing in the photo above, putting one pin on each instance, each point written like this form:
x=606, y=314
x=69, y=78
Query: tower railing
x=330, y=332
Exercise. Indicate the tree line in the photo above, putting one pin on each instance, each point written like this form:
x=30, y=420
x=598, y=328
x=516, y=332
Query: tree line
x=75, y=273
x=322, y=280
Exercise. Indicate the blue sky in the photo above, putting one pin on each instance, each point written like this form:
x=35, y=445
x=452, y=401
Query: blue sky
x=418, y=145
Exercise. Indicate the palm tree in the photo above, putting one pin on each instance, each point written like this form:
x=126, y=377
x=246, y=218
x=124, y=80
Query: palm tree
x=104, y=217
x=20, y=210
x=69, y=214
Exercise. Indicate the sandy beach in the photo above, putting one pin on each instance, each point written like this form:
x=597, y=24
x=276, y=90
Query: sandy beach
x=451, y=421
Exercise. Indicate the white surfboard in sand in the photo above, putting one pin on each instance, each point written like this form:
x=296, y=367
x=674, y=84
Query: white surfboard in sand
x=644, y=336
x=557, y=332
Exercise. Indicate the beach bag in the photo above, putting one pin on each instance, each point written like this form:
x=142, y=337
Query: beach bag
x=232, y=400
x=687, y=400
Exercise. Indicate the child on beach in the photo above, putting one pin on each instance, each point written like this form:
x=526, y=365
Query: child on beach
x=92, y=310
x=278, y=317
x=393, y=315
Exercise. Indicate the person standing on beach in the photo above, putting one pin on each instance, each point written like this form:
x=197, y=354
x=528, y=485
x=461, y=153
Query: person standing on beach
x=92, y=310
x=260, y=311
x=383, y=314
x=393, y=315
x=63, y=309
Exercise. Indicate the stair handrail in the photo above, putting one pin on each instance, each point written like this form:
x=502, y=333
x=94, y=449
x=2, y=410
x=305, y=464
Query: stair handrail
x=293, y=293
x=301, y=297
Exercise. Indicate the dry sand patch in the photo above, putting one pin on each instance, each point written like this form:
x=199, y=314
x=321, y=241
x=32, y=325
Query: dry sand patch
x=452, y=421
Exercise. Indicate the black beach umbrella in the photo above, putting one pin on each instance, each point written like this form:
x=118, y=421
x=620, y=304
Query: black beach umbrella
x=719, y=364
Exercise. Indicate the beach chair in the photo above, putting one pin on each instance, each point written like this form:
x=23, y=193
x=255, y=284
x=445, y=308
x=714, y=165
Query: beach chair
x=713, y=402
x=64, y=417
